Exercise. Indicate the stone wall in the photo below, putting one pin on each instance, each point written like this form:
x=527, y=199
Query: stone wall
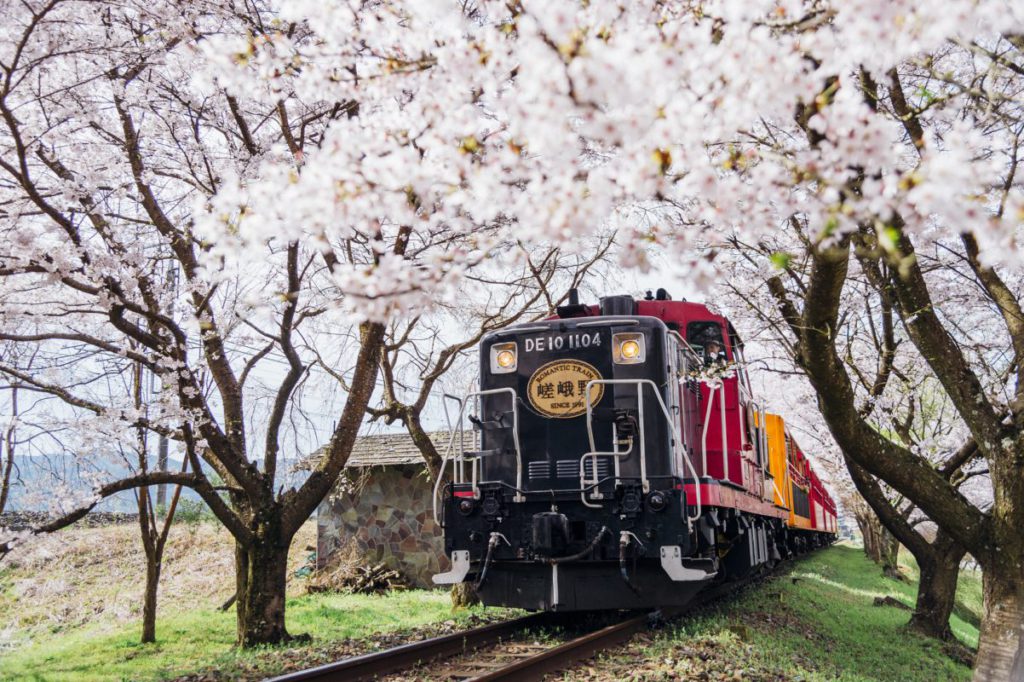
x=386, y=513
x=23, y=520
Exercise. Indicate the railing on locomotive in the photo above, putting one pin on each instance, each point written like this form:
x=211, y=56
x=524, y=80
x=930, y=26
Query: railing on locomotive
x=681, y=457
x=458, y=473
x=458, y=458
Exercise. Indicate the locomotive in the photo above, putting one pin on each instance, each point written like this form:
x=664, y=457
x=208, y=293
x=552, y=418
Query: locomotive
x=618, y=459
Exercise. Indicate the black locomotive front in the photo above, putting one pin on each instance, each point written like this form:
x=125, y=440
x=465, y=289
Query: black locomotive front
x=571, y=496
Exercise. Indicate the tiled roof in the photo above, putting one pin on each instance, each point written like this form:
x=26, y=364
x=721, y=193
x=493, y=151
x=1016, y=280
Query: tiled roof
x=385, y=449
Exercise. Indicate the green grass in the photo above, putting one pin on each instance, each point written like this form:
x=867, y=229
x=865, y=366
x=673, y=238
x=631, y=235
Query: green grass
x=818, y=622
x=191, y=641
x=970, y=604
x=821, y=627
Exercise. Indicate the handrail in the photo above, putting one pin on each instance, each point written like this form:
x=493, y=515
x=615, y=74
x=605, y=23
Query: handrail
x=445, y=397
x=640, y=407
x=444, y=463
x=704, y=431
x=760, y=424
x=640, y=383
x=593, y=455
x=744, y=391
x=681, y=386
x=765, y=468
x=451, y=442
x=725, y=431
x=712, y=389
x=686, y=344
x=788, y=483
x=684, y=418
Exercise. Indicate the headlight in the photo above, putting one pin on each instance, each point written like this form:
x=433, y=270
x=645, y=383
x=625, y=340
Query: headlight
x=503, y=358
x=629, y=349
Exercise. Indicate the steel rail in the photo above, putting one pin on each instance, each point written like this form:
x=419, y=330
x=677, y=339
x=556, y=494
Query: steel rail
x=564, y=655
x=568, y=654
x=368, y=666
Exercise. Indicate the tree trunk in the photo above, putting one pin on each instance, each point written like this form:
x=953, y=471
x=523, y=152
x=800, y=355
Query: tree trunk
x=867, y=534
x=464, y=595
x=1002, y=625
x=261, y=573
x=999, y=650
x=426, y=446
x=936, y=592
x=9, y=443
x=880, y=545
x=938, y=560
x=149, y=599
x=889, y=554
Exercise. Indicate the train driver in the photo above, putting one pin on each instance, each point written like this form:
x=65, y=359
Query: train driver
x=713, y=353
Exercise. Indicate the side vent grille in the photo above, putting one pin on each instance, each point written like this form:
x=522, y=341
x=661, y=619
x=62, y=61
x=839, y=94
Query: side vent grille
x=570, y=468
x=538, y=470
x=567, y=468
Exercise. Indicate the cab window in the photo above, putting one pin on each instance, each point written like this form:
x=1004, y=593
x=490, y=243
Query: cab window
x=706, y=339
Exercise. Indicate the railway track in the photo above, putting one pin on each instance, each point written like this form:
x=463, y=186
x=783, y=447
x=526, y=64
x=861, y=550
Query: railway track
x=497, y=651
x=531, y=661
x=380, y=663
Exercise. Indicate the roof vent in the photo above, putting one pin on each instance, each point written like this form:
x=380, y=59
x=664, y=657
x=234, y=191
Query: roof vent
x=573, y=308
x=618, y=305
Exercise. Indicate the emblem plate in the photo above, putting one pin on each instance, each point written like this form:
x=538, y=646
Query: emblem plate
x=556, y=390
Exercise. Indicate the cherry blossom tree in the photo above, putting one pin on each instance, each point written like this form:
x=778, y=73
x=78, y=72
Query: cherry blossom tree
x=357, y=158
x=121, y=169
x=879, y=377
x=106, y=149
x=24, y=429
x=9, y=444
x=900, y=400
x=869, y=126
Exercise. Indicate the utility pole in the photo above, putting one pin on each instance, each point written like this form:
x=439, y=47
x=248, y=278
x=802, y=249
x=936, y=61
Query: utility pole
x=161, y=465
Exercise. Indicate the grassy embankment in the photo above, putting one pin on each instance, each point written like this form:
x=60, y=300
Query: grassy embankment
x=820, y=626
x=813, y=623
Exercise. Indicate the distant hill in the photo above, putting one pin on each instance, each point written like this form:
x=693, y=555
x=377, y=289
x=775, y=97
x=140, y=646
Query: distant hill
x=36, y=479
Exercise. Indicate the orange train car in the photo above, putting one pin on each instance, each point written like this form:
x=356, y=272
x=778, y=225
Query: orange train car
x=797, y=488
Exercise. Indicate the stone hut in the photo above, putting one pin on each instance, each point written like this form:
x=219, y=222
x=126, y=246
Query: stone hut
x=381, y=509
